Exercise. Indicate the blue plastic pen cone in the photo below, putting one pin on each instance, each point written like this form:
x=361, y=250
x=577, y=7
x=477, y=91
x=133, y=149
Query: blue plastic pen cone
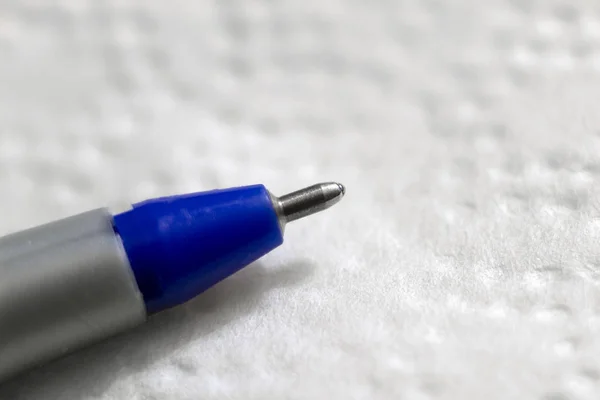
x=182, y=245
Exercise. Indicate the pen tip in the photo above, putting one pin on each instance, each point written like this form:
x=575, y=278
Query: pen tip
x=333, y=192
x=308, y=201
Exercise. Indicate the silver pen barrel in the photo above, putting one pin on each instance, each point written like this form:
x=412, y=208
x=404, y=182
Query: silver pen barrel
x=63, y=286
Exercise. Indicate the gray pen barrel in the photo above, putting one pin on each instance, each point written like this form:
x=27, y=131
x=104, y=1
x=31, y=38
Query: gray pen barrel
x=63, y=286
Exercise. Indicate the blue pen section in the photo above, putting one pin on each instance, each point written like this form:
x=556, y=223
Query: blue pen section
x=182, y=245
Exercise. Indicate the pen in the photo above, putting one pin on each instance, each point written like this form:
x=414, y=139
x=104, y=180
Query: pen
x=74, y=282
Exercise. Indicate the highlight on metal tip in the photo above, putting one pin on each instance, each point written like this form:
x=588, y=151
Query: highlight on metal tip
x=307, y=201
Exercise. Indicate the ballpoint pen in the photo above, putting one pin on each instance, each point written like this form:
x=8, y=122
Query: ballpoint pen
x=74, y=282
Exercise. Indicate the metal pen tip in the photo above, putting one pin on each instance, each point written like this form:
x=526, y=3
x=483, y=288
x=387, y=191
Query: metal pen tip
x=308, y=201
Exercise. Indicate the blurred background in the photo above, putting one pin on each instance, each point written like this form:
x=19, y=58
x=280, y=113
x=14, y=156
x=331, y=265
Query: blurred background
x=464, y=261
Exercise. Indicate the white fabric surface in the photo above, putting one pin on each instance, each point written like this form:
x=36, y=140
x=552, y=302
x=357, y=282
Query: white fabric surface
x=464, y=262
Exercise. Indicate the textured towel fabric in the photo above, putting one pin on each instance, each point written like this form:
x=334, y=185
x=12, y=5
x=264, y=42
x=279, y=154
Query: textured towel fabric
x=464, y=263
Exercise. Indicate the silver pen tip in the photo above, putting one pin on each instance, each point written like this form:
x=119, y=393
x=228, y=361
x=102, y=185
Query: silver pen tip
x=308, y=201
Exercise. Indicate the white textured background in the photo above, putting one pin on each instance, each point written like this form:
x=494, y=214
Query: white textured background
x=464, y=262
